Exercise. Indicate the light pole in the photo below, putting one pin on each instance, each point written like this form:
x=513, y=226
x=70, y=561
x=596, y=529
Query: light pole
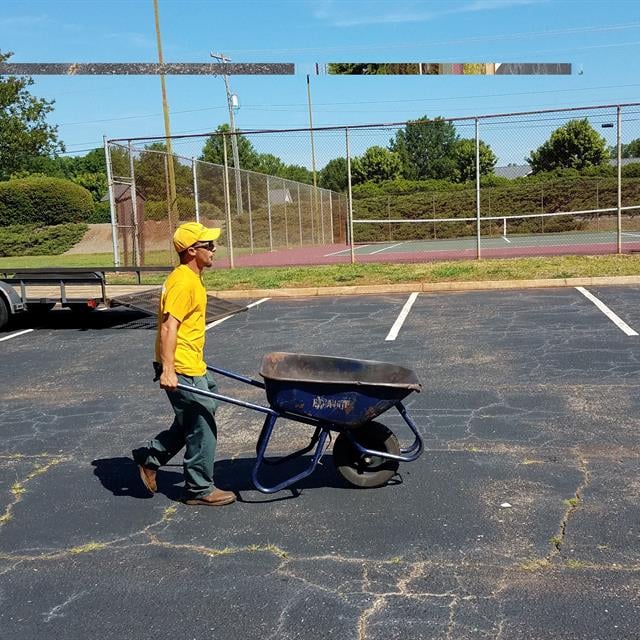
x=234, y=139
x=173, y=212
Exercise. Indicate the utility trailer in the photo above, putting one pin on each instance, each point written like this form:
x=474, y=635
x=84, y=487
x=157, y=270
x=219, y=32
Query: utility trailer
x=83, y=290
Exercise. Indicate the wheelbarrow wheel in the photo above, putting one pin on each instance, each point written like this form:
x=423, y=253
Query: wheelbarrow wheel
x=366, y=471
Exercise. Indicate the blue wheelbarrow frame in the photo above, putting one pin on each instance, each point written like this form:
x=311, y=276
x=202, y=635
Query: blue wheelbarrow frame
x=328, y=393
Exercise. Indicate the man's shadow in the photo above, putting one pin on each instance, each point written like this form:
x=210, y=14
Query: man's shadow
x=121, y=477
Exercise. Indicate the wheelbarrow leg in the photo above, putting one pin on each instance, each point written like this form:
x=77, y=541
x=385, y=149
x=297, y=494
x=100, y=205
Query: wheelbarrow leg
x=417, y=443
x=261, y=448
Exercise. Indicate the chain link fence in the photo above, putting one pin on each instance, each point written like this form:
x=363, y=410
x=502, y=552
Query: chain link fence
x=152, y=191
x=538, y=183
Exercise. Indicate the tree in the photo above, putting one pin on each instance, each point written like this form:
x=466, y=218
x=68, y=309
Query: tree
x=151, y=176
x=425, y=148
x=377, y=164
x=630, y=150
x=213, y=150
x=575, y=145
x=298, y=173
x=464, y=153
x=269, y=164
x=24, y=132
x=334, y=175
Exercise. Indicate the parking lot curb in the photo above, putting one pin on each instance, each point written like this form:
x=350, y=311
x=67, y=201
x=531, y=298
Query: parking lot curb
x=425, y=287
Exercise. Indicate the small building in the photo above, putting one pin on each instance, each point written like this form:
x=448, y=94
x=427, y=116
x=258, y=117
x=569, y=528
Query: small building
x=128, y=228
x=513, y=171
x=280, y=196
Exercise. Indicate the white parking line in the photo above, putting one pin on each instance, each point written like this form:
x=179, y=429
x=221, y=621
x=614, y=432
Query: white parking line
x=217, y=322
x=621, y=324
x=506, y=239
x=628, y=233
x=16, y=334
x=386, y=248
x=397, y=325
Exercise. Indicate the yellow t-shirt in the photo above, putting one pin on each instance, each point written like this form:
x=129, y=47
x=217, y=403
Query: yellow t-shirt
x=185, y=298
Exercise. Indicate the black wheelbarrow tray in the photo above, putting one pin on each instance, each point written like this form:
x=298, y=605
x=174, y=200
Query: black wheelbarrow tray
x=332, y=394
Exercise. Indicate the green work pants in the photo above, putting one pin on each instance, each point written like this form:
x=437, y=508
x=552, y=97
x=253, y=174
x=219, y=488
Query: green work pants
x=194, y=426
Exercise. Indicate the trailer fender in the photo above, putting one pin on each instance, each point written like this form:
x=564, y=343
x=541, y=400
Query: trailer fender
x=10, y=303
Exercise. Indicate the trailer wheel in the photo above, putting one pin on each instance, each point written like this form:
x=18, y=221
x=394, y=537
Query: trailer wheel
x=40, y=307
x=4, y=312
x=366, y=471
x=80, y=308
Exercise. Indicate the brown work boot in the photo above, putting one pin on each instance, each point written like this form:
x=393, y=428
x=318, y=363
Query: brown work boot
x=217, y=498
x=148, y=477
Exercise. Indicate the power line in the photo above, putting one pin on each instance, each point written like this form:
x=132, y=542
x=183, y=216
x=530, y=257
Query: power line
x=276, y=107
x=475, y=39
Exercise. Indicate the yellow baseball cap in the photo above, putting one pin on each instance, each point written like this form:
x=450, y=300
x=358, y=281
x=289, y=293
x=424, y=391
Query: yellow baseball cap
x=189, y=233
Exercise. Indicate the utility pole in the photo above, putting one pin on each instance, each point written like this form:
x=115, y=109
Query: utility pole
x=313, y=155
x=234, y=138
x=173, y=213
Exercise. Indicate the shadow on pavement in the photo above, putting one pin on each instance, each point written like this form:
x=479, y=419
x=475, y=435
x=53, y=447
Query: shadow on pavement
x=120, y=477
x=119, y=318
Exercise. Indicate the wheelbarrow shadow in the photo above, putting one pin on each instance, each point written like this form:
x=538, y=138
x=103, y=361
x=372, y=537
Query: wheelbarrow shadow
x=235, y=475
x=120, y=477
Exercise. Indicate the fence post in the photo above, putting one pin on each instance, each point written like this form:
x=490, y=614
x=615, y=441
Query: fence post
x=269, y=215
x=134, y=209
x=227, y=202
x=322, y=214
x=172, y=252
x=435, y=233
x=300, y=213
x=112, y=204
x=250, y=214
x=478, y=187
x=195, y=188
x=285, y=192
x=311, y=199
x=350, y=197
x=619, y=154
x=333, y=236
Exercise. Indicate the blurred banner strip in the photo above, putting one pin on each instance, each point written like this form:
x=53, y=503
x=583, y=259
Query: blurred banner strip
x=288, y=68
x=144, y=68
x=447, y=68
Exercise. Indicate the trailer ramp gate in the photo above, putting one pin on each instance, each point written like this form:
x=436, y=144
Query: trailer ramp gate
x=149, y=300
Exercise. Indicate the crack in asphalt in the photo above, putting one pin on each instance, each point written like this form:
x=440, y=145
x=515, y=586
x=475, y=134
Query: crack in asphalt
x=18, y=489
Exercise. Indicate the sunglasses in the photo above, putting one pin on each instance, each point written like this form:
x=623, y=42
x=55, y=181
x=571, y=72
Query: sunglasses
x=210, y=246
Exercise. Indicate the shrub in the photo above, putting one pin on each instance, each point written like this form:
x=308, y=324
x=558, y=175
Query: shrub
x=32, y=240
x=43, y=201
x=101, y=213
x=631, y=170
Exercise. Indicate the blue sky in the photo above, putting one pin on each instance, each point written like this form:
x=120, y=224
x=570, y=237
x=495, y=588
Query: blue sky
x=602, y=39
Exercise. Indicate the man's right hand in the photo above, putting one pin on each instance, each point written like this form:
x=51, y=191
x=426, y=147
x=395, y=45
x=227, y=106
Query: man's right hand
x=168, y=380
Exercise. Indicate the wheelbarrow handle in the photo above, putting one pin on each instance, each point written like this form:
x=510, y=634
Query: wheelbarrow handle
x=219, y=396
x=236, y=376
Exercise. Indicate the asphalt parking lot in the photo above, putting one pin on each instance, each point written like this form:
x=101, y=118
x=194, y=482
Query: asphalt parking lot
x=519, y=521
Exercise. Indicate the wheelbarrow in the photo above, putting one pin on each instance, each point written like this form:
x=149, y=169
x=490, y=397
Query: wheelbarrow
x=344, y=395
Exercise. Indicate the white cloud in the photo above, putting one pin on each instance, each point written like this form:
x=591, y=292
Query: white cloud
x=338, y=14
x=23, y=21
x=133, y=39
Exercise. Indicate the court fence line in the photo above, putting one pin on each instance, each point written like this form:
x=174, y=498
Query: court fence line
x=271, y=212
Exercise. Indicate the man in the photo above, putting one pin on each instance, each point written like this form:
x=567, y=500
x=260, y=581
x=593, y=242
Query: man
x=179, y=352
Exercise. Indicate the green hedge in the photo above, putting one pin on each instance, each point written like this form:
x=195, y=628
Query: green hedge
x=101, y=213
x=32, y=240
x=544, y=194
x=43, y=201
